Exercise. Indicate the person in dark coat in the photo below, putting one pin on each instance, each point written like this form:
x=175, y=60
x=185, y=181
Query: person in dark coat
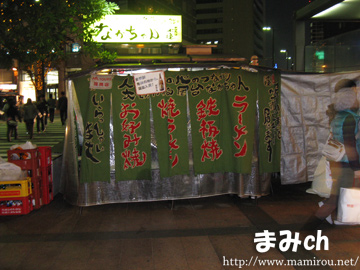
x=30, y=112
x=12, y=114
x=62, y=106
x=52, y=106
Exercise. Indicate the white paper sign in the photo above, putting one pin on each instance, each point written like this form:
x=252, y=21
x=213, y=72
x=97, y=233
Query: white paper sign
x=101, y=81
x=150, y=83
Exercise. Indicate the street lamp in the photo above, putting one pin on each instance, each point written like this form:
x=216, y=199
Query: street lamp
x=287, y=58
x=291, y=63
x=267, y=29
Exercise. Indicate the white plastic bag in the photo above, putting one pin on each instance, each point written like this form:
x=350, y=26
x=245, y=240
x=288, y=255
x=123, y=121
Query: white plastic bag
x=349, y=206
x=321, y=185
x=10, y=172
x=333, y=149
x=26, y=146
x=2, y=160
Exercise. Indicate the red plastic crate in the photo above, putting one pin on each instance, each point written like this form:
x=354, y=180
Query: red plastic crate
x=48, y=194
x=37, y=192
x=45, y=156
x=47, y=184
x=27, y=160
x=19, y=206
x=46, y=174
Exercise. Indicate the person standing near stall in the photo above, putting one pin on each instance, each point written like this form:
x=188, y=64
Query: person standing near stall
x=30, y=112
x=344, y=122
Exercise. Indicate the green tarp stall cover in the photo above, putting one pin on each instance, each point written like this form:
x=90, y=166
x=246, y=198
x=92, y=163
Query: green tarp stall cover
x=161, y=135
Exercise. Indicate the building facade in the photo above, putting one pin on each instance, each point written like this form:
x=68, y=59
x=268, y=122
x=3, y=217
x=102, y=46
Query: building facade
x=333, y=30
x=235, y=27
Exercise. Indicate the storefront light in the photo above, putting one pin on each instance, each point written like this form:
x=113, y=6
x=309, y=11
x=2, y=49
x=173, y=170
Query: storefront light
x=75, y=47
x=138, y=29
x=104, y=71
x=8, y=87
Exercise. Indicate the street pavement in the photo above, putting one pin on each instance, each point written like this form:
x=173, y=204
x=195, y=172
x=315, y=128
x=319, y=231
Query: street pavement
x=213, y=233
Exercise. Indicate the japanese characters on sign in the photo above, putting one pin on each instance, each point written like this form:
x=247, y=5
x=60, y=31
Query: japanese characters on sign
x=169, y=111
x=171, y=132
x=206, y=113
x=208, y=129
x=101, y=81
x=272, y=120
x=241, y=99
x=219, y=103
x=94, y=134
x=266, y=240
x=222, y=107
x=150, y=83
x=131, y=129
x=96, y=145
x=132, y=157
x=240, y=128
x=138, y=29
x=269, y=122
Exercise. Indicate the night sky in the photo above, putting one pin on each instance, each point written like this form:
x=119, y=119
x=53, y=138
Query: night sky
x=279, y=14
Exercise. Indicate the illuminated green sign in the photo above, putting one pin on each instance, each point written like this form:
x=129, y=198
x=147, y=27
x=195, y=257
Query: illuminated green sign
x=138, y=29
x=320, y=55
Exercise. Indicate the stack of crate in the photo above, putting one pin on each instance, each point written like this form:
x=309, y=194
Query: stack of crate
x=29, y=160
x=38, y=165
x=46, y=173
x=16, y=197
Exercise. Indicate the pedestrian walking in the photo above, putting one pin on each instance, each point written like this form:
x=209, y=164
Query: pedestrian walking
x=20, y=104
x=52, y=106
x=62, y=106
x=12, y=114
x=30, y=113
x=42, y=112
